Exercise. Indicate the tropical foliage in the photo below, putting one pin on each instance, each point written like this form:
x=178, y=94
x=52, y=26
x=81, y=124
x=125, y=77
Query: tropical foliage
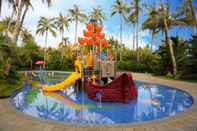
x=97, y=15
x=190, y=67
x=121, y=9
x=62, y=22
x=174, y=56
x=46, y=26
x=77, y=16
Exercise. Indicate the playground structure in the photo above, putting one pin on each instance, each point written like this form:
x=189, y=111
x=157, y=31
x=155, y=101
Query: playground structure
x=96, y=68
x=122, y=89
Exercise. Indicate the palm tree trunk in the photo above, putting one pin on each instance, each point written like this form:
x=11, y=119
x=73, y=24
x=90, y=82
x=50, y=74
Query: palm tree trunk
x=45, y=50
x=63, y=47
x=134, y=36
x=137, y=40
x=169, y=43
x=120, y=36
x=17, y=26
x=76, y=26
x=115, y=54
x=113, y=50
x=62, y=34
x=22, y=21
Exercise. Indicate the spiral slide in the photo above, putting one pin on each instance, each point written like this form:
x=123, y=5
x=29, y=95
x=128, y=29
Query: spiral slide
x=69, y=80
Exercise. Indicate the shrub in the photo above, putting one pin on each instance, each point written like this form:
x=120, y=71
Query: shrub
x=131, y=65
x=57, y=62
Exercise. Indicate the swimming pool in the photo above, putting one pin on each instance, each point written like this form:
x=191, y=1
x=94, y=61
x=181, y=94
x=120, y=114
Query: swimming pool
x=153, y=102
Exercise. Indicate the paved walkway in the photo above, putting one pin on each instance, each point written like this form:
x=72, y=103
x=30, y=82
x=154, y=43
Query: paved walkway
x=11, y=120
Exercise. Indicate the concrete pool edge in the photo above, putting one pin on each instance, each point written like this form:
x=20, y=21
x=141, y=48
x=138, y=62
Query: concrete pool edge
x=13, y=120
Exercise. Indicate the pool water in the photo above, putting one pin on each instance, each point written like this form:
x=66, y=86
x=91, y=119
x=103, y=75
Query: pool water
x=153, y=102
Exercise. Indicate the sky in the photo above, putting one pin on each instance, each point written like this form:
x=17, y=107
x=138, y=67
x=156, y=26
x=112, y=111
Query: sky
x=111, y=24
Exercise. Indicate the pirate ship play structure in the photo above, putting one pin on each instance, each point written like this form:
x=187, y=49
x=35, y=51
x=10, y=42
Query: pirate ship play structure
x=95, y=66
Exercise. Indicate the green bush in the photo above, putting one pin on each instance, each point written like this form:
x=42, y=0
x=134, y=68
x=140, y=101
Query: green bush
x=13, y=76
x=56, y=62
x=190, y=66
x=130, y=65
x=6, y=88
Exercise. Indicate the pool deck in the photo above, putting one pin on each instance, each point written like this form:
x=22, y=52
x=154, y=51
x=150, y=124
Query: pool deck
x=11, y=120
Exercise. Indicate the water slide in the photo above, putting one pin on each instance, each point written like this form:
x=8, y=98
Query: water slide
x=69, y=80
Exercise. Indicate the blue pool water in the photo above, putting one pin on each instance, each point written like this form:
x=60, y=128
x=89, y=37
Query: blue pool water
x=153, y=102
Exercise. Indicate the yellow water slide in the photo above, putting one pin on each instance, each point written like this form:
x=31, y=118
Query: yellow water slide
x=69, y=80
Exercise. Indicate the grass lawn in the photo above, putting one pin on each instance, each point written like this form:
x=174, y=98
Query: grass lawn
x=6, y=89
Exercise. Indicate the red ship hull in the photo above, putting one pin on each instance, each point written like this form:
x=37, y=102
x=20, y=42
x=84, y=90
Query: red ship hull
x=122, y=89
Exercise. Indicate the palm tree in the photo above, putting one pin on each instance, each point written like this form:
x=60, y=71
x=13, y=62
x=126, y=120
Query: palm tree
x=168, y=40
x=20, y=14
x=190, y=16
x=180, y=48
x=135, y=10
x=14, y=10
x=167, y=21
x=150, y=23
x=120, y=8
x=132, y=19
x=115, y=46
x=27, y=5
x=97, y=15
x=20, y=9
x=192, y=10
x=26, y=36
x=78, y=16
x=64, y=49
x=162, y=20
x=46, y=26
x=5, y=23
x=65, y=42
x=62, y=22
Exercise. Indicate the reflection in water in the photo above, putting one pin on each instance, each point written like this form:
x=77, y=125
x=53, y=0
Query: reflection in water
x=153, y=102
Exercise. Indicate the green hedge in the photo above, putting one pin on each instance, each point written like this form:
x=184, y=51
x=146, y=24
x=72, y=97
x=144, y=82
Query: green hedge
x=7, y=88
x=134, y=66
